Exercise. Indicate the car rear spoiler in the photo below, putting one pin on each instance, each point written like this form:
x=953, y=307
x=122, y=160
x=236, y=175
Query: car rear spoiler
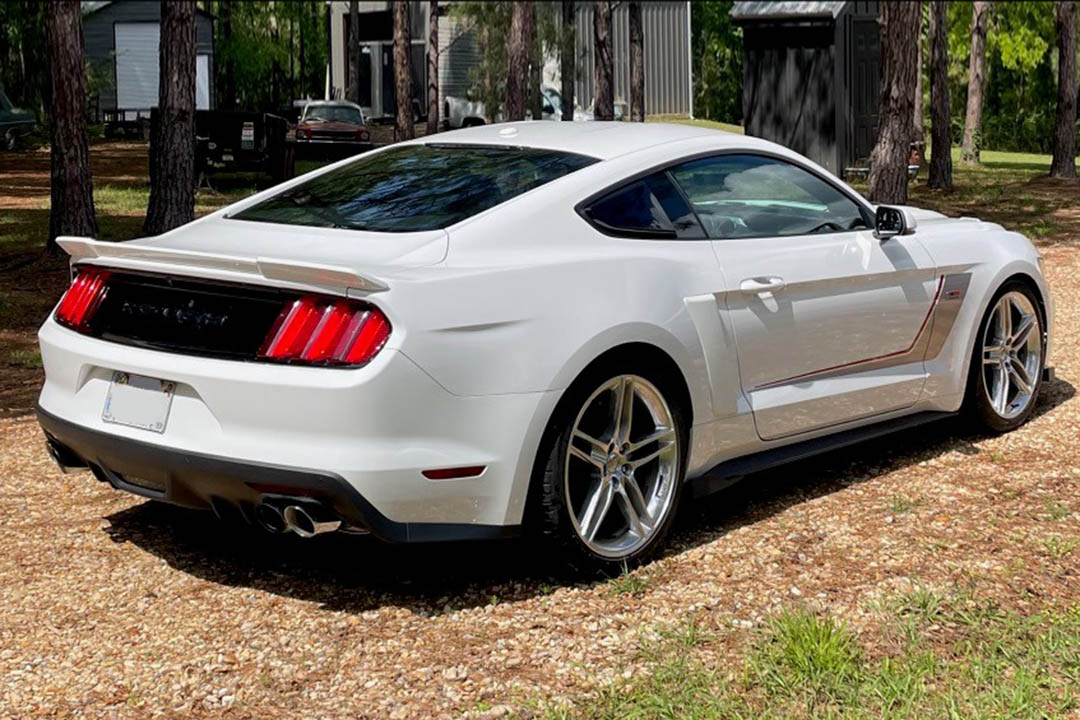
x=296, y=271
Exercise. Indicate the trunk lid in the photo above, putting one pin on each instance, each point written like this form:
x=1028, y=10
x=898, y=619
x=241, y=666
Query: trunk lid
x=219, y=247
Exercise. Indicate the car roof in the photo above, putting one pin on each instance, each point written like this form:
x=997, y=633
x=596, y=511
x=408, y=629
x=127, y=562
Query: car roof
x=603, y=140
x=331, y=103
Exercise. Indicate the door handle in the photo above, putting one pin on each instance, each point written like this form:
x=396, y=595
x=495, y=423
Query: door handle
x=762, y=285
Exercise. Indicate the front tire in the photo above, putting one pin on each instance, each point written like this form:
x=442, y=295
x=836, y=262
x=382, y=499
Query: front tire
x=1007, y=363
x=613, y=472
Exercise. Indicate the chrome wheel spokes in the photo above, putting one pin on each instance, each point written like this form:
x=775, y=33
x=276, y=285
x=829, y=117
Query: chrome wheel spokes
x=1012, y=355
x=621, y=466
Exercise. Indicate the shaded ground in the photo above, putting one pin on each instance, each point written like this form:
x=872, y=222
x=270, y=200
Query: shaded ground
x=115, y=607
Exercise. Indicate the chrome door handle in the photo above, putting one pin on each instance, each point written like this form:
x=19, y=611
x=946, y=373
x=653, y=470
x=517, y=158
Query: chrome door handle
x=762, y=285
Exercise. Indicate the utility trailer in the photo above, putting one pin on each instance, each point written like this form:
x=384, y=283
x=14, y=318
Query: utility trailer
x=238, y=141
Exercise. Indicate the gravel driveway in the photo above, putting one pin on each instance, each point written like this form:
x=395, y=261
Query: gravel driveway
x=115, y=607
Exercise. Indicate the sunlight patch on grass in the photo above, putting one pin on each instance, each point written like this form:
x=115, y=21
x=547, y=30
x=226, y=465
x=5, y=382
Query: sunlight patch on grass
x=988, y=663
x=684, y=120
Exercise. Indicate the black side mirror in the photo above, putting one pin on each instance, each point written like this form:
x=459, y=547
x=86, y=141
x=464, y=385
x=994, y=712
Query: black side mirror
x=891, y=221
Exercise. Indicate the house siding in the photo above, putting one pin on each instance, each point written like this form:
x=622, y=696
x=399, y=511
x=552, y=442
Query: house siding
x=666, y=28
x=99, y=40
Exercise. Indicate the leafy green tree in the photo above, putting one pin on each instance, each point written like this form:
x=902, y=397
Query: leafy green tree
x=717, y=52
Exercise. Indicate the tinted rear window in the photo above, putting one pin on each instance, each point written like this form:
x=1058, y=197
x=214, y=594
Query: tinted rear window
x=415, y=187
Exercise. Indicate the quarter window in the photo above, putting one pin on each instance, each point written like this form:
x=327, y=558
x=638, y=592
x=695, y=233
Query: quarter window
x=748, y=196
x=650, y=207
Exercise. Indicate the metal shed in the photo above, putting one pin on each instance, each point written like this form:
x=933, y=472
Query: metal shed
x=666, y=30
x=812, y=76
x=121, y=45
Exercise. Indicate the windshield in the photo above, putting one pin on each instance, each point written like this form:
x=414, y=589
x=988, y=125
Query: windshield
x=554, y=98
x=412, y=188
x=333, y=113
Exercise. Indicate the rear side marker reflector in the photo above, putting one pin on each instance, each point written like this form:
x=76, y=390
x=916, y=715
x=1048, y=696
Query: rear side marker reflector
x=322, y=331
x=454, y=473
x=83, y=298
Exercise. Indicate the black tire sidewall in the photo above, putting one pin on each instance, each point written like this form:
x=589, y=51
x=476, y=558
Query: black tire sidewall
x=547, y=513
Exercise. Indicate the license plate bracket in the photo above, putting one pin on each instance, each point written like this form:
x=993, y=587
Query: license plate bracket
x=138, y=401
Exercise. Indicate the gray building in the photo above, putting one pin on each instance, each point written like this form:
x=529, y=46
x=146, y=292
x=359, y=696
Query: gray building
x=121, y=45
x=812, y=76
x=666, y=27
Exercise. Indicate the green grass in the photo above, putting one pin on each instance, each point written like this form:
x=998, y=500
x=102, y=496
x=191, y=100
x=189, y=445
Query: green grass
x=30, y=359
x=956, y=659
x=684, y=120
x=628, y=583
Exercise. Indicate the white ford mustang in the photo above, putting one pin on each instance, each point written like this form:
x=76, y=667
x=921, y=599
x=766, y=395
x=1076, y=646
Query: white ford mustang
x=561, y=326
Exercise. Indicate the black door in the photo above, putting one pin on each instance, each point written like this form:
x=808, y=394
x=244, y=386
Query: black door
x=866, y=86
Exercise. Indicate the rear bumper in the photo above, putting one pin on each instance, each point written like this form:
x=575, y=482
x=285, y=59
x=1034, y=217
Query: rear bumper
x=203, y=481
x=374, y=429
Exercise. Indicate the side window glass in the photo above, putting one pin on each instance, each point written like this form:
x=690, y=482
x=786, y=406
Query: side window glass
x=650, y=207
x=748, y=196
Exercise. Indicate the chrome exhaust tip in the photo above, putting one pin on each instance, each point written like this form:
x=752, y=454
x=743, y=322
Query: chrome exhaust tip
x=309, y=523
x=270, y=518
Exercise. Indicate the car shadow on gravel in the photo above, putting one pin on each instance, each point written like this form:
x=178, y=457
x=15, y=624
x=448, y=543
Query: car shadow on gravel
x=356, y=573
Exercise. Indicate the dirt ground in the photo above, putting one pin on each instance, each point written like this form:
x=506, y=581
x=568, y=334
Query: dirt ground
x=121, y=608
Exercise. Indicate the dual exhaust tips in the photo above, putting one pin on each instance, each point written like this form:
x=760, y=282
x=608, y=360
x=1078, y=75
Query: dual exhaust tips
x=307, y=521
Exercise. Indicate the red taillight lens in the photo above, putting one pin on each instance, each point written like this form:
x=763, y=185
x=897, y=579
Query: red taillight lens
x=326, y=332
x=83, y=298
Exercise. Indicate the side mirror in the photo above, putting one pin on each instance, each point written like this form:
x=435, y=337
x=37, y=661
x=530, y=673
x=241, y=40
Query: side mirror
x=892, y=221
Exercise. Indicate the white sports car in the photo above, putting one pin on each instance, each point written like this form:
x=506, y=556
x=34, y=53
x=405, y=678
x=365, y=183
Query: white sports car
x=553, y=326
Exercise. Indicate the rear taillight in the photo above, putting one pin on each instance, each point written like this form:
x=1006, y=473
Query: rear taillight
x=323, y=331
x=83, y=298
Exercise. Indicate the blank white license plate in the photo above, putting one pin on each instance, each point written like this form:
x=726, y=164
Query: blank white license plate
x=138, y=401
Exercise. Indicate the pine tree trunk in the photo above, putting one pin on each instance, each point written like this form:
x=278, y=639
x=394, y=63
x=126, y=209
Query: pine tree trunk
x=433, y=68
x=72, y=191
x=980, y=15
x=517, y=61
x=403, y=95
x=353, y=92
x=536, y=62
x=889, y=160
x=603, y=80
x=566, y=59
x=637, y=64
x=172, y=135
x=940, y=120
x=919, y=132
x=227, y=92
x=1064, y=143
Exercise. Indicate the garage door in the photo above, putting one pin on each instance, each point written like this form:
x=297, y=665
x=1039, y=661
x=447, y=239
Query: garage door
x=137, y=69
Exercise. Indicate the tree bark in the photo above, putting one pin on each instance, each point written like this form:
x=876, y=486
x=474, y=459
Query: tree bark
x=403, y=120
x=352, y=94
x=72, y=192
x=940, y=121
x=637, y=64
x=536, y=62
x=433, y=68
x=603, y=81
x=517, y=62
x=227, y=92
x=980, y=15
x=1064, y=143
x=919, y=132
x=899, y=23
x=566, y=59
x=172, y=135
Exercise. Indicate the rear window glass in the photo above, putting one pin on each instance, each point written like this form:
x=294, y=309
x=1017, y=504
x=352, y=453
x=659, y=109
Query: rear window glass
x=415, y=187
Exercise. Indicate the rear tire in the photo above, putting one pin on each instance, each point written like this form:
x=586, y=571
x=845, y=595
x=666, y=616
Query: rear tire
x=1005, y=376
x=606, y=491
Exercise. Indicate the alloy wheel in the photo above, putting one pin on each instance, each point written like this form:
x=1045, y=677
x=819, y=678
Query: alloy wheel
x=622, y=463
x=1012, y=355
